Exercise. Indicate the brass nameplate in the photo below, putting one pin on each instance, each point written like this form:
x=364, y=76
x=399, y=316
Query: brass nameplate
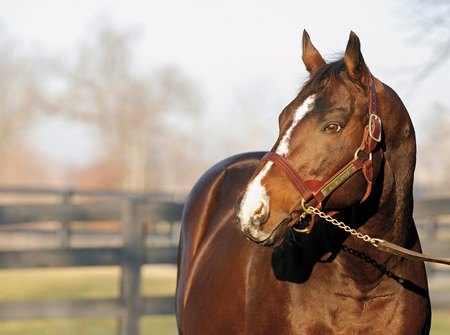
x=340, y=179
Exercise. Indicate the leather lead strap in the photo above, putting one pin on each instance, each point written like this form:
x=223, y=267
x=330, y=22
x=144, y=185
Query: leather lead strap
x=403, y=252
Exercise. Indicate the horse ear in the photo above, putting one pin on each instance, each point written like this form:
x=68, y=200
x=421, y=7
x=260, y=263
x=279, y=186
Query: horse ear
x=354, y=61
x=311, y=57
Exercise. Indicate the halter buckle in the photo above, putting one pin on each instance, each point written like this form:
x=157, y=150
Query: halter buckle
x=375, y=127
x=359, y=150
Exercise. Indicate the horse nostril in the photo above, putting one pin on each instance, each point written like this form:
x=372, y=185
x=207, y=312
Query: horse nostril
x=260, y=214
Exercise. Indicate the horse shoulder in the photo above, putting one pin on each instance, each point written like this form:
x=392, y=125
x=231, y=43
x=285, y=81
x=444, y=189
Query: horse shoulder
x=211, y=200
x=218, y=188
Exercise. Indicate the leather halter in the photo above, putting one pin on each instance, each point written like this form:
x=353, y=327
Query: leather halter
x=371, y=137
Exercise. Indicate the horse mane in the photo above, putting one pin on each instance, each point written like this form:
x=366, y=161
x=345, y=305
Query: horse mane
x=330, y=74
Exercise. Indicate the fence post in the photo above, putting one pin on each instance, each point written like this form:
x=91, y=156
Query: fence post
x=131, y=266
x=431, y=228
x=64, y=230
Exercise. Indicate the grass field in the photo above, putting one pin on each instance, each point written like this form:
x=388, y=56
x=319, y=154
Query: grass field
x=82, y=283
x=85, y=283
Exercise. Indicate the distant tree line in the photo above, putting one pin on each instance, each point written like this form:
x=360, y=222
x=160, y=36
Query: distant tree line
x=103, y=88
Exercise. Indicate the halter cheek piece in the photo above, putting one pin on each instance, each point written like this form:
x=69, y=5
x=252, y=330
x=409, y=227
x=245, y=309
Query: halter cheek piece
x=310, y=197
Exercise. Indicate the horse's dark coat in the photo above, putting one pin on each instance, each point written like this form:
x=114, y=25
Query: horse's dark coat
x=321, y=283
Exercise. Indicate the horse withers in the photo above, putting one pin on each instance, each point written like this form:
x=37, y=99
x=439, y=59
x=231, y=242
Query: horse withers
x=262, y=250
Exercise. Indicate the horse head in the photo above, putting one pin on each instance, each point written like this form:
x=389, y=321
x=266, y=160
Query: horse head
x=329, y=124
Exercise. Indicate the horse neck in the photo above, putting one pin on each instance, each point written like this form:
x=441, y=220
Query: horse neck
x=395, y=205
x=388, y=215
x=391, y=221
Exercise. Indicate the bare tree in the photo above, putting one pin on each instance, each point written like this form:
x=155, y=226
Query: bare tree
x=432, y=18
x=20, y=92
x=433, y=22
x=129, y=109
x=433, y=172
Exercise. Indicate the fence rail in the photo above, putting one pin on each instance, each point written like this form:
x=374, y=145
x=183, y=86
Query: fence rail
x=432, y=217
x=136, y=212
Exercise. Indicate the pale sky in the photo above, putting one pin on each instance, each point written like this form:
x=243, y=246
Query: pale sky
x=226, y=47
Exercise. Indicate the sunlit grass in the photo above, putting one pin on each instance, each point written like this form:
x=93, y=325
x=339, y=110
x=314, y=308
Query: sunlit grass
x=67, y=283
x=59, y=327
x=440, y=324
x=82, y=283
x=157, y=325
x=103, y=282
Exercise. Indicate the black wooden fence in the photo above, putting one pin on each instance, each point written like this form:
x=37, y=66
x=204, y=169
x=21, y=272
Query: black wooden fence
x=136, y=212
x=432, y=217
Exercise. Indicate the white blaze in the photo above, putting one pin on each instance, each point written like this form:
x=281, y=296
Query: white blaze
x=256, y=193
x=305, y=107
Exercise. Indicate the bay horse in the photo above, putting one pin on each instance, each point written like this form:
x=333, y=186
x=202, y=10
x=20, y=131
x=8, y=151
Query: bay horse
x=262, y=250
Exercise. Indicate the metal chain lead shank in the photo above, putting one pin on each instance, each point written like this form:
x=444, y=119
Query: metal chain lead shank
x=314, y=211
x=376, y=242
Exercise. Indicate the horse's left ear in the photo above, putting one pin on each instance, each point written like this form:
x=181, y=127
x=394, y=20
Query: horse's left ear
x=311, y=57
x=354, y=61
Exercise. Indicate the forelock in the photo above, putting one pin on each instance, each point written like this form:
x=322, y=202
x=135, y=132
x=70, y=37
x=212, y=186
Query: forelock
x=330, y=74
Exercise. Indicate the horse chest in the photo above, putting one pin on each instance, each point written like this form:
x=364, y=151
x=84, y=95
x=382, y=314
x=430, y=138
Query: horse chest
x=234, y=290
x=315, y=307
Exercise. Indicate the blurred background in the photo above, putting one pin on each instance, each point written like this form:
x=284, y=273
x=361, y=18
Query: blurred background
x=143, y=96
x=146, y=95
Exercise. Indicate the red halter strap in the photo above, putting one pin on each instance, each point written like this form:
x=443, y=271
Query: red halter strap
x=283, y=164
x=371, y=137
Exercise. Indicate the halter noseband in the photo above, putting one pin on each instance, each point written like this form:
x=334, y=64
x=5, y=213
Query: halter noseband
x=371, y=137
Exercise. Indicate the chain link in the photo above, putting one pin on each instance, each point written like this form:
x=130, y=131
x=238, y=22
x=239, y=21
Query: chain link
x=314, y=211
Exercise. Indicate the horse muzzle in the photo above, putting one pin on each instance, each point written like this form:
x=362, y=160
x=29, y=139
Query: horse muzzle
x=253, y=230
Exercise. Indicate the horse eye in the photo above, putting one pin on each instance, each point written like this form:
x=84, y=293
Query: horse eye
x=333, y=128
